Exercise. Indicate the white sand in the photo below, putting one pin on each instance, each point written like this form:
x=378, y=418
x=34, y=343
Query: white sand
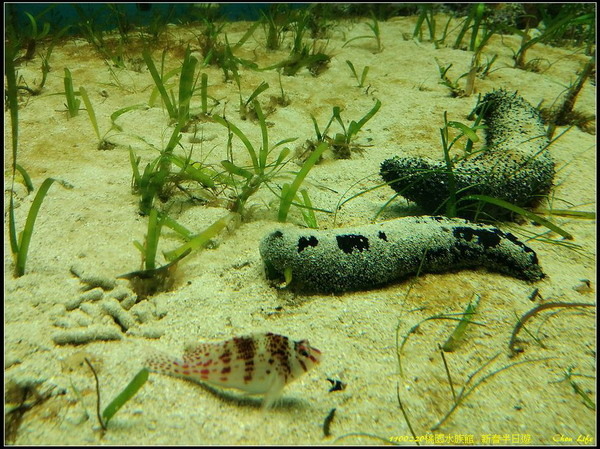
x=221, y=292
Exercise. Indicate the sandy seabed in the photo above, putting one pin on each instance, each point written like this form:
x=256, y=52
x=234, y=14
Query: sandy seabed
x=221, y=291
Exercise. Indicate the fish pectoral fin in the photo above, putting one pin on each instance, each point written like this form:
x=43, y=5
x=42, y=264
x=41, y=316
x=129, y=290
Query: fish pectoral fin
x=273, y=393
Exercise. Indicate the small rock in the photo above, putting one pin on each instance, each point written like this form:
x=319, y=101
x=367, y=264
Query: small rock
x=84, y=335
x=143, y=311
x=93, y=280
x=92, y=295
x=152, y=331
x=161, y=306
x=120, y=293
x=113, y=308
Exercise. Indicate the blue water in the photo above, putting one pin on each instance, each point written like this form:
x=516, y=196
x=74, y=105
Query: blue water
x=139, y=14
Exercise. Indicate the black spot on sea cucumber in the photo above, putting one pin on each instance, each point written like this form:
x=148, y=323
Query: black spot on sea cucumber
x=382, y=236
x=351, y=242
x=517, y=242
x=304, y=242
x=486, y=238
x=525, y=248
x=433, y=255
x=277, y=234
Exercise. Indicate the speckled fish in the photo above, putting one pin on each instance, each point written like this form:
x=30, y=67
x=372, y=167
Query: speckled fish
x=257, y=364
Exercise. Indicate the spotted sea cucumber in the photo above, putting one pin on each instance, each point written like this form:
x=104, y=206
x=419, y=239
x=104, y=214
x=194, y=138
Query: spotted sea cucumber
x=516, y=165
x=368, y=256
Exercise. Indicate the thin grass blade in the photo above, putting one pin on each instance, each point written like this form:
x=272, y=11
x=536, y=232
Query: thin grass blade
x=159, y=83
x=194, y=173
x=12, y=227
x=119, y=112
x=264, y=150
x=570, y=213
x=247, y=35
x=26, y=178
x=72, y=102
x=25, y=238
x=461, y=327
x=130, y=391
x=180, y=229
x=201, y=239
x=135, y=168
x=520, y=211
x=355, y=127
x=152, y=237
x=468, y=132
x=90, y=110
x=286, y=200
x=186, y=86
x=235, y=170
x=165, y=78
x=352, y=68
x=282, y=154
x=319, y=136
x=204, y=92
x=235, y=130
x=260, y=89
x=11, y=97
x=363, y=76
x=308, y=212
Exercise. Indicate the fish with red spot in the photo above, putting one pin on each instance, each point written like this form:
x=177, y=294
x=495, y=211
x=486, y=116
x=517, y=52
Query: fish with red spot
x=257, y=364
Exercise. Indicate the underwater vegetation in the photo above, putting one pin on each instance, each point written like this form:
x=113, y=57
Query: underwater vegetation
x=342, y=143
x=20, y=241
x=239, y=182
x=564, y=113
x=121, y=399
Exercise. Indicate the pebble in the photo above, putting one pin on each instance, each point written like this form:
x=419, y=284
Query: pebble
x=113, y=308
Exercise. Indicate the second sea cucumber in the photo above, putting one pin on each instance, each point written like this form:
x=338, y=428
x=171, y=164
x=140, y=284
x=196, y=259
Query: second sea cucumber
x=373, y=255
x=516, y=165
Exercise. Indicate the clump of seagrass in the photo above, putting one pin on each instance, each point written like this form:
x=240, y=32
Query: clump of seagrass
x=515, y=166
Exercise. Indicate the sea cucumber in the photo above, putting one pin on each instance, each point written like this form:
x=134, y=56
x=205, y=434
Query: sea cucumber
x=372, y=255
x=258, y=363
x=516, y=165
